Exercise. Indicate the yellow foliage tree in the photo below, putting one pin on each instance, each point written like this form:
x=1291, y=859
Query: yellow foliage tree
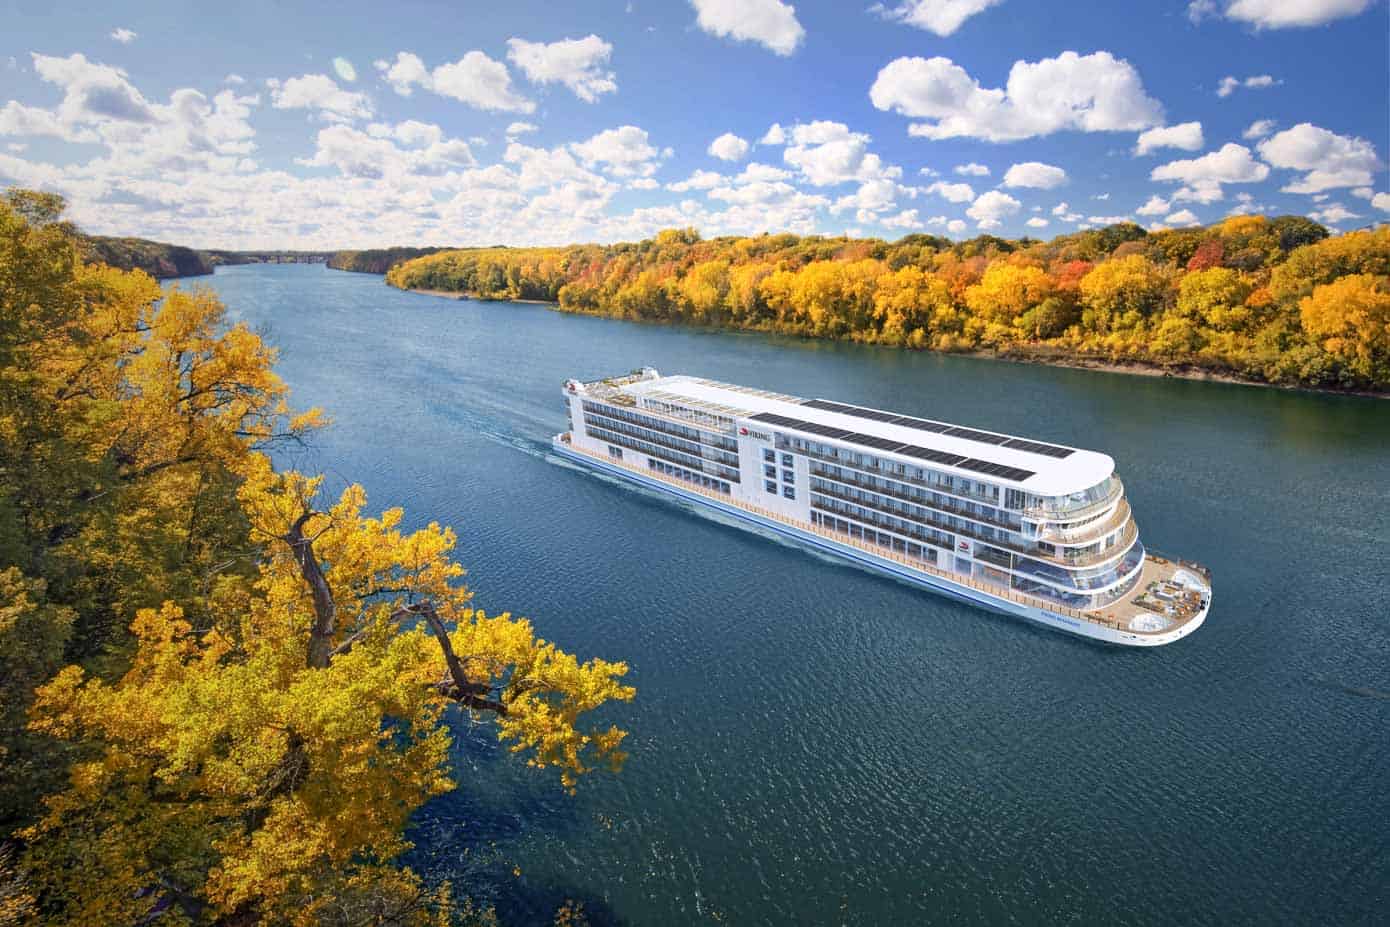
x=1216, y=297
x=1006, y=291
x=260, y=761
x=1351, y=317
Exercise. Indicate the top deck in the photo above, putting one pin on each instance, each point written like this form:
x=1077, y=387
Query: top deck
x=1054, y=470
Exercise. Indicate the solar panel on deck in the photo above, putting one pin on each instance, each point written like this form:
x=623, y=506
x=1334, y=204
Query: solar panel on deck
x=877, y=416
x=828, y=406
x=882, y=444
x=907, y=450
x=1037, y=447
x=921, y=424
x=970, y=434
x=929, y=455
x=994, y=469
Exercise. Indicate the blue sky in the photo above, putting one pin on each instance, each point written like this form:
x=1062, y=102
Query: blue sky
x=269, y=125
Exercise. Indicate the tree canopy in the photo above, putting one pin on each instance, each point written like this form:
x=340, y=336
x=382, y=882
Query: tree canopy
x=225, y=691
x=1227, y=297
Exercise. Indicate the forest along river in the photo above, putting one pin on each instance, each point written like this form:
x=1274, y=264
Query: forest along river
x=812, y=743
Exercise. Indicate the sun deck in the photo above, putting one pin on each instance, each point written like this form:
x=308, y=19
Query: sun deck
x=1052, y=470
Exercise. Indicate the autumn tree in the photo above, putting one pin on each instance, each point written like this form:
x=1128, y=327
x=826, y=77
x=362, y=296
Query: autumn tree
x=260, y=761
x=1351, y=317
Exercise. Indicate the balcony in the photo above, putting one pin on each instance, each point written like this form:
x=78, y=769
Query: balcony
x=819, y=470
x=1092, y=531
x=1064, y=561
x=1044, y=513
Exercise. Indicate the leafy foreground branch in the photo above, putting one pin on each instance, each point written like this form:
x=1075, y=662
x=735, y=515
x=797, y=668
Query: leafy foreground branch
x=251, y=750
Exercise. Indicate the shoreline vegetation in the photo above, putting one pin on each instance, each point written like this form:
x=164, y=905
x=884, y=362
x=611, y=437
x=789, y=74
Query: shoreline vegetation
x=224, y=690
x=1249, y=300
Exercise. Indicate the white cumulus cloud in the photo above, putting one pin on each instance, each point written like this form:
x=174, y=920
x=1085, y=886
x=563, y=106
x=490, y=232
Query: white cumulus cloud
x=728, y=147
x=1036, y=175
x=123, y=35
x=1156, y=206
x=1230, y=85
x=475, y=79
x=827, y=153
x=1186, y=136
x=1258, y=129
x=954, y=192
x=1277, y=14
x=972, y=169
x=625, y=152
x=770, y=23
x=991, y=208
x=775, y=135
x=1333, y=213
x=321, y=93
x=1331, y=160
x=1231, y=163
x=942, y=17
x=579, y=64
x=1086, y=93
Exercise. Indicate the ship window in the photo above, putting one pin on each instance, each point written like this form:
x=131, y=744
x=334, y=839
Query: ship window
x=770, y=486
x=615, y=452
x=770, y=472
x=769, y=455
x=788, y=476
x=789, y=492
x=786, y=460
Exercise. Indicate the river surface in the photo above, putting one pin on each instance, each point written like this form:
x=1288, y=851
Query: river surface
x=815, y=744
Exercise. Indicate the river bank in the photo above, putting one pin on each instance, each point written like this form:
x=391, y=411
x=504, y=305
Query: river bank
x=1044, y=356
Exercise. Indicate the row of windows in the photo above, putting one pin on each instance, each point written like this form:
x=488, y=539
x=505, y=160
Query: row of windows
x=680, y=473
x=633, y=444
x=957, y=485
x=931, y=555
x=661, y=424
x=869, y=535
x=885, y=522
x=929, y=517
x=661, y=437
x=918, y=494
x=718, y=422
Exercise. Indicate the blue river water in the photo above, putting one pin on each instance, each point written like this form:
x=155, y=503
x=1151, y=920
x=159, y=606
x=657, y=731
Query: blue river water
x=815, y=744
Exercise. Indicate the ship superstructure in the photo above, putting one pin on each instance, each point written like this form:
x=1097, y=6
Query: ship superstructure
x=1026, y=527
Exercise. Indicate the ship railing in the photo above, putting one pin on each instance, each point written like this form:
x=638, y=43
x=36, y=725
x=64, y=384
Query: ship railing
x=889, y=473
x=1063, y=561
x=1044, y=513
x=820, y=471
x=1091, y=530
x=1002, y=592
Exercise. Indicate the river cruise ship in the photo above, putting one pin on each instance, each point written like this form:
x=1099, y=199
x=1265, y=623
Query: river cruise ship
x=1023, y=527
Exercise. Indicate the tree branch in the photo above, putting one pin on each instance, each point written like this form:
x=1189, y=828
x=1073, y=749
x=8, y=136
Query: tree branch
x=325, y=611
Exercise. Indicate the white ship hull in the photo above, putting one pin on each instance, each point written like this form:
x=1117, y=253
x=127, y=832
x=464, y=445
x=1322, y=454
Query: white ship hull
x=939, y=584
